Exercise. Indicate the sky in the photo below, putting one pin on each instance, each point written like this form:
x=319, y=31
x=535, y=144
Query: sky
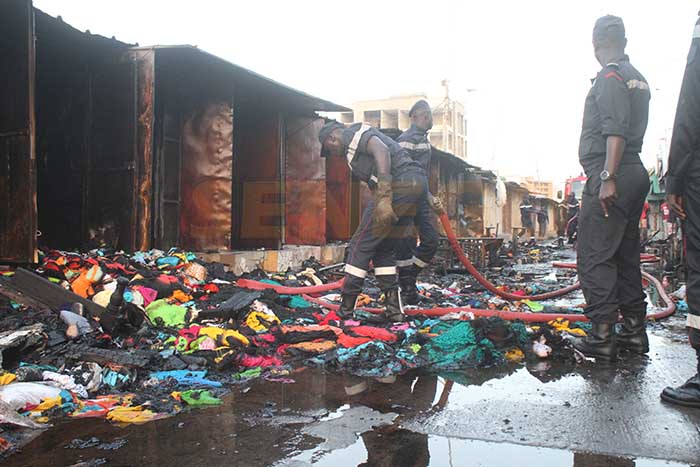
x=529, y=63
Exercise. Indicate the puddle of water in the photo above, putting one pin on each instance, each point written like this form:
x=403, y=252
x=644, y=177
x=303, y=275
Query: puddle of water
x=409, y=448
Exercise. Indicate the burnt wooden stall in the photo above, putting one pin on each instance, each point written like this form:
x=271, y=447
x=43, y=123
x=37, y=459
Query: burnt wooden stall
x=104, y=143
x=68, y=133
x=236, y=156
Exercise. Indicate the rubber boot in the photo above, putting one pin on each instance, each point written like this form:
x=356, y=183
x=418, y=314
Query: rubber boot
x=347, y=306
x=687, y=395
x=394, y=308
x=632, y=336
x=407, y=280
x=599, y=343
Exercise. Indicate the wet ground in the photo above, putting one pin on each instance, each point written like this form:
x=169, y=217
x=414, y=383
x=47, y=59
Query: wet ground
x=534, y=414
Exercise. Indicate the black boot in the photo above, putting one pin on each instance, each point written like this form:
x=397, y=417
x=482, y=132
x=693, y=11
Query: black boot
x=347, y=306
x=687, y=395
x=599, y=343
x=409, y=292
x=394, y=309
x=633, y=333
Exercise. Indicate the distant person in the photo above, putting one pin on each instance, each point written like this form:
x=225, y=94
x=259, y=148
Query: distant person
x=542, y=219
x=526, y=210
x=614, y=122
x=683, y=197
x=572, y=208
x=411, y=259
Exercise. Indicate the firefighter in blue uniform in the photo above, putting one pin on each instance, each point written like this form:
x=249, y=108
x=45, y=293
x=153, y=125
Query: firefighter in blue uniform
x=399, y=185
x=411, y=259
x=683, y=197
x=614, y=122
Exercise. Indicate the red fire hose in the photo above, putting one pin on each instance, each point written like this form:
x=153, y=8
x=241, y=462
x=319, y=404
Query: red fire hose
x=515, y=315
x=283, y=290
x=507, y=315
x=452, y=238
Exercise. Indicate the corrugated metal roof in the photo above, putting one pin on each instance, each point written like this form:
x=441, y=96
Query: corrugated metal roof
x=203, y=57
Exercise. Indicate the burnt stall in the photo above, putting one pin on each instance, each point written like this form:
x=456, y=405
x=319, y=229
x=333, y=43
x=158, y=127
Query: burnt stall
x=237, y=161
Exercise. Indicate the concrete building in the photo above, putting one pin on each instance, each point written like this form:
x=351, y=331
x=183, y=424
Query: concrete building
x=449, y=131
x=537, y=187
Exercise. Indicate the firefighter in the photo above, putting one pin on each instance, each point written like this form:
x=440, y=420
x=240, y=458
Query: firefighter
x=399, y=185
x=411, y=259
x=614, y=122
x=683, y=197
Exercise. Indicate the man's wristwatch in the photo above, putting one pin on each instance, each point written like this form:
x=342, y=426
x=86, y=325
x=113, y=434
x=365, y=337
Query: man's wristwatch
x=605, y=176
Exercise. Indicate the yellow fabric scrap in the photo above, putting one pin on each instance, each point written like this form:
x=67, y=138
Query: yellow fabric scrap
x=256, y=321
x=134, y=414
x=562, y=325
x=221, y=335
x=515, y=355
x=7, y=378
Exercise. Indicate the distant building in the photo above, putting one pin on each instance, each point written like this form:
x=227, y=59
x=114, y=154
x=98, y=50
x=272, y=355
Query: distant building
x=449, y=131
x=537, y=187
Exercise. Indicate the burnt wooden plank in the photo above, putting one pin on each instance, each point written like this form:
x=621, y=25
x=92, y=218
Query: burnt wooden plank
x=53, y=295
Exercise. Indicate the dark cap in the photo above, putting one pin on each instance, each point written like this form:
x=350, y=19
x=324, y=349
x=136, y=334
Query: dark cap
x=609, y=28
x=419, y=105
x=326, y=131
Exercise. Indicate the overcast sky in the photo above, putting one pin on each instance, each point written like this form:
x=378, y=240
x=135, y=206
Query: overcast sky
x=529, y=62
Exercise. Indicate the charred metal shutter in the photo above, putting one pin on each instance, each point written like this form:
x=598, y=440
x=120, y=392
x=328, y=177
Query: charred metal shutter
x=18, y=213
x=111, y=175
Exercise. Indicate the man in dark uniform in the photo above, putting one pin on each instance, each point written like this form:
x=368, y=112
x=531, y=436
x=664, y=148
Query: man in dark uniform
x=411, y=259
x=614, y=122
x=683, y=197
x=399, y=185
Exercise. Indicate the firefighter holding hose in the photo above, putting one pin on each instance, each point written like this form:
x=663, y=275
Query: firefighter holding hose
x=411, y=259
x=399, y=185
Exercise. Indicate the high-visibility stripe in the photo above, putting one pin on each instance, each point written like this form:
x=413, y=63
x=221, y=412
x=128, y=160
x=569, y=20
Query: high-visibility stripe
x=418, y=262
x=693, y=321
x=414, y=146
x=355, y=271
x=696, y=31
x=404, y=263
x=352, y=148
x=374, y=179
x=385, y=271
x=637, y=84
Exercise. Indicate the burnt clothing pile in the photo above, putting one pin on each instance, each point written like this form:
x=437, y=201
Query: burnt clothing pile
x=177, y=332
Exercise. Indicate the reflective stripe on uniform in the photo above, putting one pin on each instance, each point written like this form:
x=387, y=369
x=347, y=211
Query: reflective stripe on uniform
x=385, y=271
x=415, y=147
x=352, y=148
x=637, y=84
x=696, y=31
x=404, y=263
x=374, y=179
x=693, y=321
x=420, y=263
x=355, y=271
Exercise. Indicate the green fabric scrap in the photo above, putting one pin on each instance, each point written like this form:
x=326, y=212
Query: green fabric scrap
x=535, y=307
x=459, y=346
x=197, y=397
x=161, y=311
x=250, y=373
